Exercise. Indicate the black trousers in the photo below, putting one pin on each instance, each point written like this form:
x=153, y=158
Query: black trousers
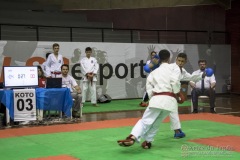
x=145, y=97
x=3, y=111
x=207, y=92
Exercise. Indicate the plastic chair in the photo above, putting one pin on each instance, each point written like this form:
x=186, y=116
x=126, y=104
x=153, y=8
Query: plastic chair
x=201, y=99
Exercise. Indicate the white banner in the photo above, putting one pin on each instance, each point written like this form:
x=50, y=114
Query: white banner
x=121, y=74
x=24, y=104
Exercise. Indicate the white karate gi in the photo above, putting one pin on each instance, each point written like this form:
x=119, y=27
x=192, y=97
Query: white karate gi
x=145, y=93
x=89, y=65
x=183, y=76
x=45, y=69
x=162, y=79
x=54, y=64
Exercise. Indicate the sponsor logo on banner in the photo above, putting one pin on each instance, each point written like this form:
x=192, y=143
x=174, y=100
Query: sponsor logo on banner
x=24, y=104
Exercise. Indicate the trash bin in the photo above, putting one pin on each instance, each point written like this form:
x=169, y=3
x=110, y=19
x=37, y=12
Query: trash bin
x=184, y=88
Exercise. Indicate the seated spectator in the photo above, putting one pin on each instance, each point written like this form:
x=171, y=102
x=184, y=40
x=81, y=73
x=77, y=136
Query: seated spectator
x=206, y=87
x=69, y=82
x=41, y=78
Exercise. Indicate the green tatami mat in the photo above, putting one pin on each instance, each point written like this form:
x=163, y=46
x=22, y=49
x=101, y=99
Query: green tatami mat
x=122, y=105
x=102, y=144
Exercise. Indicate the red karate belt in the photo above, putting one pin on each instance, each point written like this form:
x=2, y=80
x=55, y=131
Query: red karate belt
x=90, y=78
x=179, y=96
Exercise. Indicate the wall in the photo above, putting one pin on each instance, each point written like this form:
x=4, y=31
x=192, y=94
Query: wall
x=233, y=26
x=32, y=13
x=210, y=18
x=204, y=18
x=177, y=18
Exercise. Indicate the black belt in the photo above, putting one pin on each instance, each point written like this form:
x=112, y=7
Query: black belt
x=56, y=72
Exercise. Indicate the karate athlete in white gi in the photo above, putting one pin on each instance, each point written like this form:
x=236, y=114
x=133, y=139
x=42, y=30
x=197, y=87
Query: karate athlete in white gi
x=163, y=87
x=178, y=69
x=145, y=98
x=89, y=68
x=45, y=68
x=54, y=62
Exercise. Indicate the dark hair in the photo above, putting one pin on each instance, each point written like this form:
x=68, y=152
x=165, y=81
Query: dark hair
x=153, y=52
x=55, y=45
x=47, y=54
x=88, y=49
x=202, y=60
x=164, y=55
x=40, y=68
x=66, y=65
x=182, y=55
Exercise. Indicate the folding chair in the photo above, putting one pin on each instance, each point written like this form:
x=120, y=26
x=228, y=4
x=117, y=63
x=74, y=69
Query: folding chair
x=203, y=99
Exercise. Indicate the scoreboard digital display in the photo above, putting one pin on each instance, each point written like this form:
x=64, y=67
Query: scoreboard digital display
x=20, y=76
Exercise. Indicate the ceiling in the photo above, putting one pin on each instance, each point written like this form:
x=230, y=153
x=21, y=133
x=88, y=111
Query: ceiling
x=130, y=4
x=74, y=5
